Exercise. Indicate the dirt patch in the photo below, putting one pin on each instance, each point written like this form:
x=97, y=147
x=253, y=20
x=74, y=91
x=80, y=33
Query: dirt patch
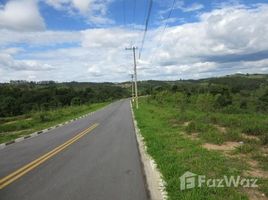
x=174, y=122
x=221, y=128
x=227, y=146
x=255, y=171
x=254, y=194
x=252, y=163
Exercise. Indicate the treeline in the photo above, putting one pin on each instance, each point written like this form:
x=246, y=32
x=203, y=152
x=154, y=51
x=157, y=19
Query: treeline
x=231, y=94
x=235, y=93
x=20, y=97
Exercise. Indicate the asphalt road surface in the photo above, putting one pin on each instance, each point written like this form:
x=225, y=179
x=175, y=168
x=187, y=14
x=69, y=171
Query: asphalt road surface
x=92, y=158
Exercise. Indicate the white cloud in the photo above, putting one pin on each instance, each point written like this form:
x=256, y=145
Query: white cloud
x=94, y=11
x=181, y=5
x=222, y=31
x=82, y=5
x=21, y=15
x=192, y=7
x=8, y=63
x=108, y=38
x=39, y=38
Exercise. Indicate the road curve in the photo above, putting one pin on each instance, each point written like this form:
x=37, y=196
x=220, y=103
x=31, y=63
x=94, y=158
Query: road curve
x=92, y=158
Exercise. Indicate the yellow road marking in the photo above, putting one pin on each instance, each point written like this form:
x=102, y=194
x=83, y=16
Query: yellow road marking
x=28, y=167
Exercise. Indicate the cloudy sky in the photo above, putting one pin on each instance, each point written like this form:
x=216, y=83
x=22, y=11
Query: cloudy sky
x=85, y=40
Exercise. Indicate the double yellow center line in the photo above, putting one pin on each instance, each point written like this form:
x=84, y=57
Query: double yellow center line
x=28, y=167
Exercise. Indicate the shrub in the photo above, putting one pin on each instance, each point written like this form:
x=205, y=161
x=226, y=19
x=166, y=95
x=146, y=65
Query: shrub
x=192, y=127
x=233, y=135
x=222, y=100
x=44, y=117
x=246, y=148
x=253, y=129
x=205, y=102
x=213, y=136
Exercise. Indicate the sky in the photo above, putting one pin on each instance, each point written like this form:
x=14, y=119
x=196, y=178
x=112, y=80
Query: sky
x=85, y=40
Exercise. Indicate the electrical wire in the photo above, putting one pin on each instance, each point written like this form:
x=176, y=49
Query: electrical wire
x=165, y=27
x=146, y=26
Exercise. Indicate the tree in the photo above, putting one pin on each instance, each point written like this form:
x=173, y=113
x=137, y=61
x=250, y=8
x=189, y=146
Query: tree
x=8, y=107
x=76, y=101
x=222, y=101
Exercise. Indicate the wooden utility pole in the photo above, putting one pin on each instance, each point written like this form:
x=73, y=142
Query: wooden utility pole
x=135, y=75
x=132, y=86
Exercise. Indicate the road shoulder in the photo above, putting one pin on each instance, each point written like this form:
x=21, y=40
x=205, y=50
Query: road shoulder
x=154, y=181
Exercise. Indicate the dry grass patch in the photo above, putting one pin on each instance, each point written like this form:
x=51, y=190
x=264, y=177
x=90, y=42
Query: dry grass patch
x=264, y=150
x=227, y=146
x=250, y=137
x=221, y=128
x=255, y=170
x=186, y=123
x=254, y=194
x=192, y=136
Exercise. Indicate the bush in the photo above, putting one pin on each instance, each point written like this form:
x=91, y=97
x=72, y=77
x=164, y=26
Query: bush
x=205, y=102
x=192, y=127
x=246, y=148
x=233, y=135
x=253, y=129
x=222, y=101
x=44, y=117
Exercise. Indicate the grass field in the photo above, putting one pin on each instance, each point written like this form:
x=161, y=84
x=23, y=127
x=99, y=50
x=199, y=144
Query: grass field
x=213, y=144
x=14, y=127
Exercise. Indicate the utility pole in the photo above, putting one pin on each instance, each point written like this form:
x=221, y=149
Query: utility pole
x=132, y=86
x=135, y=74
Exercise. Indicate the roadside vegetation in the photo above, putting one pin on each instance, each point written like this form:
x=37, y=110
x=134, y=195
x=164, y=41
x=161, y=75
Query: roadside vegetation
x=211, y=129
x=14, y=127
x=26, y=107
x=21, y=97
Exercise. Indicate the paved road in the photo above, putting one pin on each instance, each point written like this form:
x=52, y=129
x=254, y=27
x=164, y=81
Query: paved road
x=102, y=164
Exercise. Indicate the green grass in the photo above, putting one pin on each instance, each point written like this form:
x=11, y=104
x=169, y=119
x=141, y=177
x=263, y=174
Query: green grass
x=175, y=154
x=14, y=127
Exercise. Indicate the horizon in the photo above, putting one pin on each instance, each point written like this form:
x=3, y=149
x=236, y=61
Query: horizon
x=164, y=80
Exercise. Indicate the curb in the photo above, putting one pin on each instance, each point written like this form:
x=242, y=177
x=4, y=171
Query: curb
x=3, y=145
x=155, y=183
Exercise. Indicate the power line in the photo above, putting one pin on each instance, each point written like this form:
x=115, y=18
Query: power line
x=146, y=8
x=146, y=25
x=165, y=27
x=133, y=20
x=166, y=21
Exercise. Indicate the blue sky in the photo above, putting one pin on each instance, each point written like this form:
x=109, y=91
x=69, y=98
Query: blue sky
x=84, y=40
x=130, y=12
